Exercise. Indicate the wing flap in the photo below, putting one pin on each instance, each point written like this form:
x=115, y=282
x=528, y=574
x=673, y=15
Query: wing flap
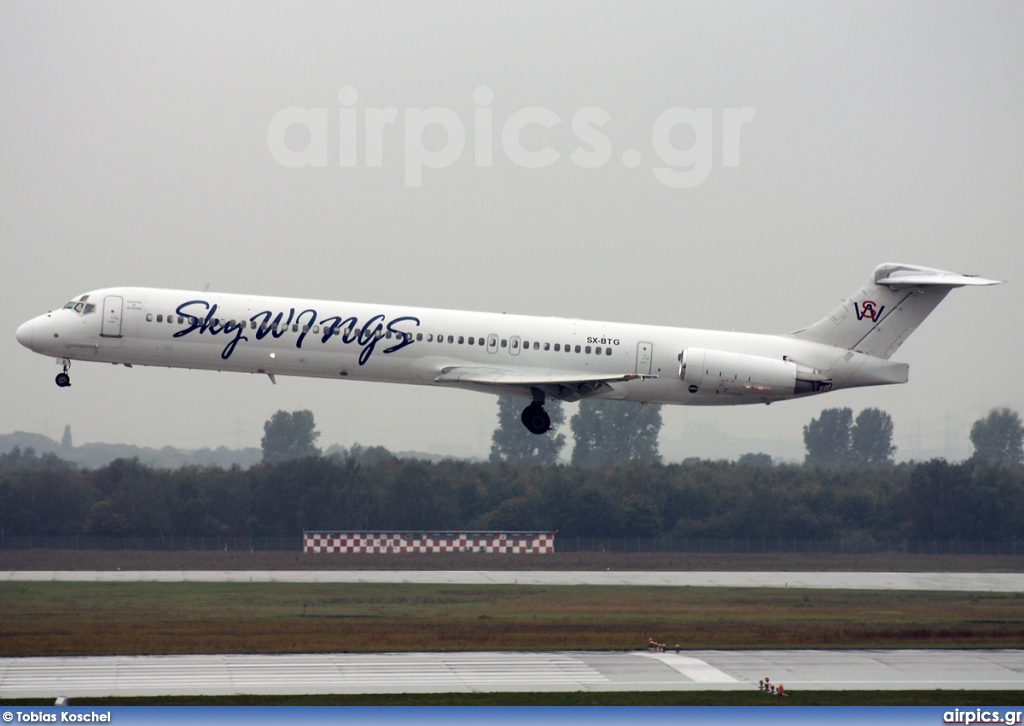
x=565, y=387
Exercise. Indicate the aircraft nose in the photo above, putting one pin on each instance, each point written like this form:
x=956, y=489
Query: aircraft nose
x=25, y=334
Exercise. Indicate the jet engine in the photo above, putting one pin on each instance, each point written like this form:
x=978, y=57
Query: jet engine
x=738, y=374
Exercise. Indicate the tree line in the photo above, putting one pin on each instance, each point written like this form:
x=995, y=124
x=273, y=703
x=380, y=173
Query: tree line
x=847, y=487
x=368, y=489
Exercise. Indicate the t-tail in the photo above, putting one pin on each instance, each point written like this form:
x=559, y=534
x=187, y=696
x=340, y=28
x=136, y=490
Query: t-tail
x=881, y=315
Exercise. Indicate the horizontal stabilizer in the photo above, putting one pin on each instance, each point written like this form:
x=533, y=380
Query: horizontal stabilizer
x=898, y=276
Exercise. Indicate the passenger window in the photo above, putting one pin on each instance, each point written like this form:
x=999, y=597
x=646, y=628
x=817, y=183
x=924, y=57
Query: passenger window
x=149, y=317
x=607, y=351
x=461, y=340
x=598, y=350
x=430, y=337
x=316, y=329
x=471, y=341
x=295, y=327
x=480, y=342
x=526, y=345
x=252, y=324
x=547, y=346
x=504, y=343
x=515, y=343
x=536, y=345
x=577, y=349
x=419, y=336
x=160, y=318
x=558, y=348
x=587, y=349
x=451, y=338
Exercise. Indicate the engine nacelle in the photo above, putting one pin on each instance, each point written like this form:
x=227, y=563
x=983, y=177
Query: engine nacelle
x=738, y=374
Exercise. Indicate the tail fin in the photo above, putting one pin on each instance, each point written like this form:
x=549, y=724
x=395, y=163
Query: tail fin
x=881, y=315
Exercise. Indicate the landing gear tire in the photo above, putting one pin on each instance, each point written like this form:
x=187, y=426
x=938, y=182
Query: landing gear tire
x=536, y=419
x=63, y=380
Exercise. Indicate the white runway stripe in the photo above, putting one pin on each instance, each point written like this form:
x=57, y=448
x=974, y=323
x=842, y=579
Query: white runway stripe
x=693, y=668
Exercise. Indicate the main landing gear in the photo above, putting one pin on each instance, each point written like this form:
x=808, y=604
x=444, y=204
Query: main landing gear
x=63, y=380
x=535, y=418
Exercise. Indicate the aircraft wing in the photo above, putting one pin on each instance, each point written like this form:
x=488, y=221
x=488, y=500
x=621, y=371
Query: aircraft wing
x=560, y=385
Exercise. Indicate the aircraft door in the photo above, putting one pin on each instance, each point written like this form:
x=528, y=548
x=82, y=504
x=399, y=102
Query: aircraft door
x=111, y=324
x=644, y=355
x=492, y=343
x=513, y=345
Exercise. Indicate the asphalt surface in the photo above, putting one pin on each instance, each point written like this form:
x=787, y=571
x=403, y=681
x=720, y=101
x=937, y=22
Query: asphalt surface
x=939, y=581
x=215, y=675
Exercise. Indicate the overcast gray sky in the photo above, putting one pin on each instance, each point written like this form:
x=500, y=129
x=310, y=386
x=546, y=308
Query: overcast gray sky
x=136, y=149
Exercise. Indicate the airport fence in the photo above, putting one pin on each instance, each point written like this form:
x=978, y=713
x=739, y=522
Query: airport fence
x=563, y=544
x=172, y=544
x=771, y=545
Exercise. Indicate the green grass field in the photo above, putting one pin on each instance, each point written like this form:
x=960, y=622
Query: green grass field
x=161, y=618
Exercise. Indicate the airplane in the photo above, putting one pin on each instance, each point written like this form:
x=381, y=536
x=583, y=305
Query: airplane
x=533, y=357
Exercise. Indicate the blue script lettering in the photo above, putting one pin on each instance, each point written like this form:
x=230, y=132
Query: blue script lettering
x=201, y=317
x=208, y=324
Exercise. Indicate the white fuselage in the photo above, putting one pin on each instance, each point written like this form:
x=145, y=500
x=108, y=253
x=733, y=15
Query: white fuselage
x=396, y=344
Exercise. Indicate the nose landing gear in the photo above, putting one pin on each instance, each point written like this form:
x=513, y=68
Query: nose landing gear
x=63, y=380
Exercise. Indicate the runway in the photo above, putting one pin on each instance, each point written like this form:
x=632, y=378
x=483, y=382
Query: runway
x=216, y=675
x=938, y=581
x=515, y=671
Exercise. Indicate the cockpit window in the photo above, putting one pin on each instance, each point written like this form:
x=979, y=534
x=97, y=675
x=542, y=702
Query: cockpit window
x=81, y=306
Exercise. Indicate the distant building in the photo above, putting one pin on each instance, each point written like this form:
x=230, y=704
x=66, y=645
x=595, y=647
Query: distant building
x=513, y=543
